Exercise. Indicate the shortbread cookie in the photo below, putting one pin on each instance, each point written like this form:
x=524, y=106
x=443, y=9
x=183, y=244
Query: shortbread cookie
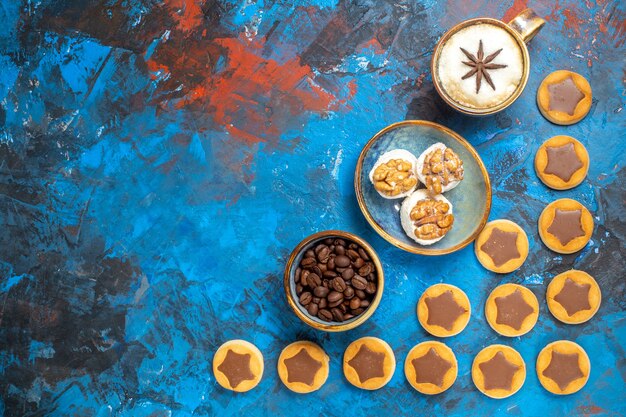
x=443, y=310
x=561, y=162
x=303, y=367
x=564, y=97
x=498, y=371
x=573, y=297
x=431, y=367
x=502, y=246
x=565, y=226
x=369, y=363
x=563, y=367
x=512, y=310
x=238, y=365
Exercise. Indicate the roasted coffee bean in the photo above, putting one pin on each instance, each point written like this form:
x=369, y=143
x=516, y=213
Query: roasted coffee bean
x=338, y=284
x=340, y=250
x=352, y=254
x=363, y=254
x=298, y=289
x=371, y=288
x=342, y=261
x=321, y=291
x=353, y=246
x=371, y=277
x=335, y=304
x=334, y=296
x=308, y=262
x=329, y=274
x=355, y=303
x=358, y=263
x=340, y=242
x=331, y=263
x=314, y=280
x=305, y=298
x=325, y=314
x=332, y=248
x=323, y=255
x=364, y=303
x=312, y=309
x=323, y=303
x=360, y=294
x=358, y=311
x=303, y=276
x=323, y=267
x=337, y=314
x=348, y=293
x=328, y=240
x=359, y=282
x=343, y=307
x=340, y=270
x=315, y=300
x=365, y=270
x=326, y=283
x=309, y=254
x=296, y=277
x=347, y=273
x=316, y=269
x=347, y=316
x=318, y=248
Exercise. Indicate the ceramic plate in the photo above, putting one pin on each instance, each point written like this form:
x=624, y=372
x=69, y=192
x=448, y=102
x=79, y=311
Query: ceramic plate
x=471, y=199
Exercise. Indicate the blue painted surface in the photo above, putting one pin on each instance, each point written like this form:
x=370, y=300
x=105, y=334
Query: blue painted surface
x=159, y=161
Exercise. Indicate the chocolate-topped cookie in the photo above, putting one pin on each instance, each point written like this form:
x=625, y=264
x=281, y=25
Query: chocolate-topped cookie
x=573, y=297
x=564, y=97
x=498, y=371
x=443, y=310
x=303, y=367
x=561, y=162
x=512, y=310
x=565, y=226
x=369, y=363
x=502, y=246
x=431, y=367
x=238, y=365
x=563, y=367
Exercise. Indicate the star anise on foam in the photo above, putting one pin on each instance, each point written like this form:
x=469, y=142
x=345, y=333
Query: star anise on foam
x=480, y=65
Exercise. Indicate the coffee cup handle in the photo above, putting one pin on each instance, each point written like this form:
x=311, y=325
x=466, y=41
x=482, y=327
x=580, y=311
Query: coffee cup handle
x=527, y=24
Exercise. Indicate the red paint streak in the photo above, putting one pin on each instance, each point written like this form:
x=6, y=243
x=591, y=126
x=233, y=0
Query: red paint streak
x=590, y=410
x=375, y=45
x=555, y=14
x=187, y=13
x=352, y=87
x=572, y=21
x=243, y=96
x=515, y=9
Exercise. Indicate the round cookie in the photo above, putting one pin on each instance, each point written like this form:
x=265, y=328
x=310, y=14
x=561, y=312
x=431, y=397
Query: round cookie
x=502, y=246
x=238, y=365
x=369, y=363
x=573, y=297
x=565, y=226
x=564, y=97
x=512, y=310
x=498, y=371
x=443, y=310
x=303, y=367
x=563, y=367
x=561, y=162
x=431, y=367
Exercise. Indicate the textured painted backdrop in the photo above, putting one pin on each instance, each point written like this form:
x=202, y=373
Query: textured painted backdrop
x=160, y=159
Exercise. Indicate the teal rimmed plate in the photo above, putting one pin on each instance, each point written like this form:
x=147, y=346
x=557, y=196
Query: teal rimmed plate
x=471, y=199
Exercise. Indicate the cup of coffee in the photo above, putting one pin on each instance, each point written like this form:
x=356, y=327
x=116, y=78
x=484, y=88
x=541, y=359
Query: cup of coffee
x=481, y=66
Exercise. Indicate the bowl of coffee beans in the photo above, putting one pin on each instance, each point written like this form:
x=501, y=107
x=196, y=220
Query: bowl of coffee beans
x=334, y=281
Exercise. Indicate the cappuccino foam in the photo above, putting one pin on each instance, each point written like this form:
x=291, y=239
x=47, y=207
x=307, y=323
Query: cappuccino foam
x=451, y=69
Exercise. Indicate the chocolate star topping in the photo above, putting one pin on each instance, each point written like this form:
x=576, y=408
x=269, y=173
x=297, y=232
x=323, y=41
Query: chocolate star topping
x=368, y=364
x=430, y=368
x=236, y=368
x=443, y=310
x=501, y=246
x=566, y=226
x=480, y=65
x=513, y=310
x=573, y=297
x=563, y=369
x=302, y=367
x=565, y=96
x=562, y=161
x=498, y=372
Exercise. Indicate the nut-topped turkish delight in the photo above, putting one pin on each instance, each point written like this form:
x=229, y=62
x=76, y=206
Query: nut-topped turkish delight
x=426, y=218
x=439, y=168
x=394, y=174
